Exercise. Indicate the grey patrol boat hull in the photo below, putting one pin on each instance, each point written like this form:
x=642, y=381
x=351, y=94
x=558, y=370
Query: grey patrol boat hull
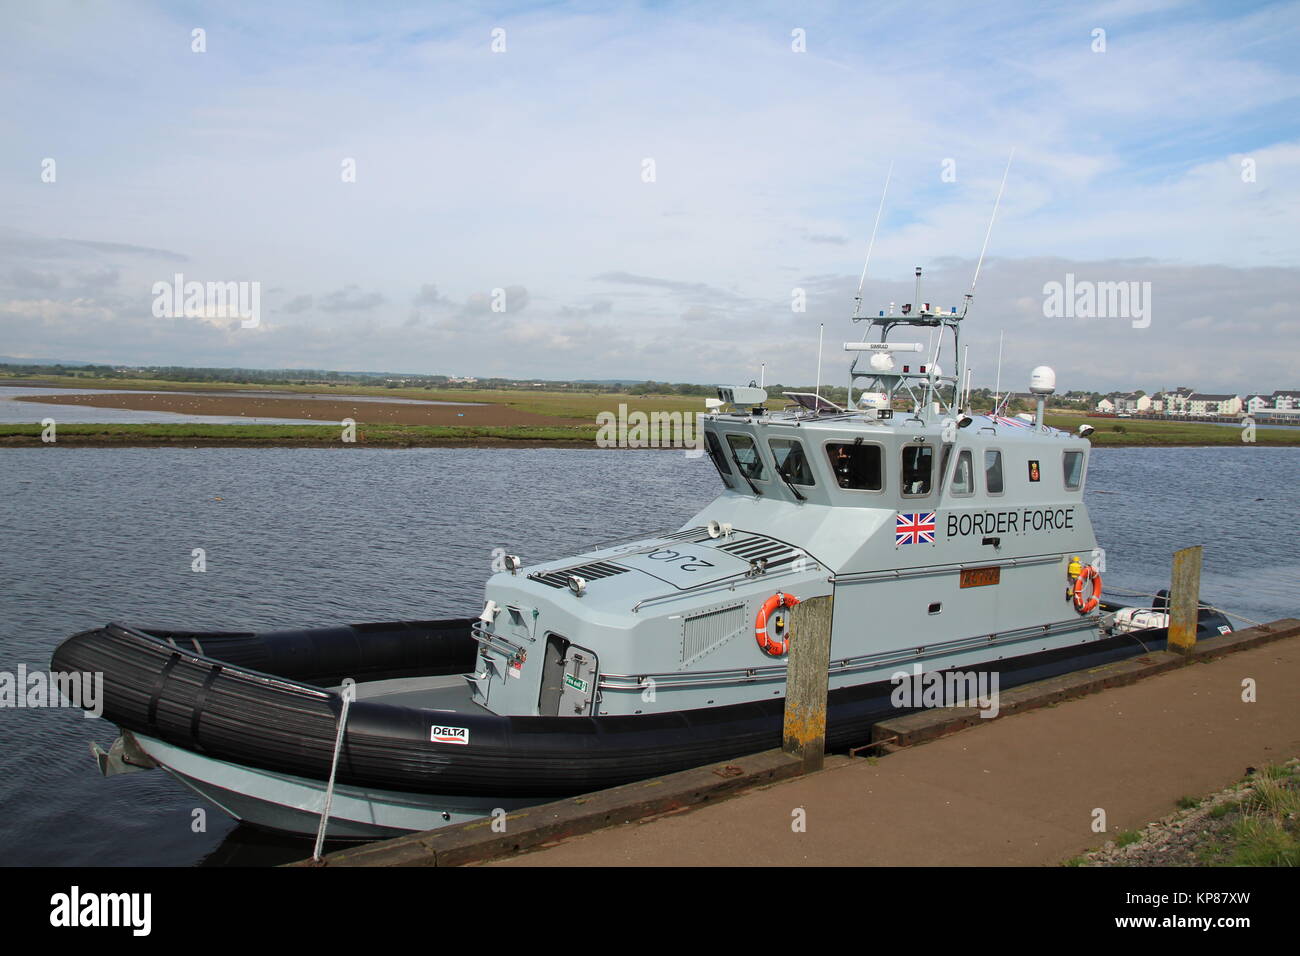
x=258, y=745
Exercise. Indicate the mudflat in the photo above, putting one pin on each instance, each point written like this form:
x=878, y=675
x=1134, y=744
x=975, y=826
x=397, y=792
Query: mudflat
x=323, y=408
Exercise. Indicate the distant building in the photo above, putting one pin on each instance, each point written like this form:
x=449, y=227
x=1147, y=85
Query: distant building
x=1171, y=402
x=1285, y=400
x=1132, y=402
x=1106, y=405
x=1204, y=403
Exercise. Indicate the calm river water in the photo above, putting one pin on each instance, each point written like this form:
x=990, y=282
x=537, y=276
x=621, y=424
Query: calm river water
x=300, y=537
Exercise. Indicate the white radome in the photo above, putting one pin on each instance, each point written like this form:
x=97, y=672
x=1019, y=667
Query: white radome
x=882, y=362
x=1042, y=380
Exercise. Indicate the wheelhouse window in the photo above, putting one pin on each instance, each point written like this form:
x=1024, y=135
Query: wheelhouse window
x=1073, y=470
x=718, y=457
x=791, y=461
x=993, y=472
x=856, y=467
x=963, y=475
x=746, y=457
x=918, y=470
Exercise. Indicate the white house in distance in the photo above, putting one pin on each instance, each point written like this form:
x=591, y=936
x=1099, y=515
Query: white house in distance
x=1185, y=401
x=1171, y=403
x=1204, y=403
x=1132, y=402
x=1285, y=401
x=1124, y=403
x=1282, y=406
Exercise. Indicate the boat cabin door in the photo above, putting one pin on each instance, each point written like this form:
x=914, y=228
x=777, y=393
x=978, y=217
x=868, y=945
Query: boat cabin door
x=568, y=679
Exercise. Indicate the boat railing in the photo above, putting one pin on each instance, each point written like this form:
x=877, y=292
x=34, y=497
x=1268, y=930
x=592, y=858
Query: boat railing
x=846, y=665
x=889, y=574
x=775, y=569
x=479, y=631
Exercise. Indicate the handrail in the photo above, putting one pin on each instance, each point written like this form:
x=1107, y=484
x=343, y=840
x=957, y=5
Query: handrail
x=745, y=675
x=890, y=574
x=731, y=580
x=349, y=691
x=479, y=632
x=228, y=669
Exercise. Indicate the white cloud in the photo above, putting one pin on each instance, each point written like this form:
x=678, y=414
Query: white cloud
x=522, y=171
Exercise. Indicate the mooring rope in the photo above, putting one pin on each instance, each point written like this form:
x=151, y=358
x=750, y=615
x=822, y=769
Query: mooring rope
x=349, y=691
x=1237, y=616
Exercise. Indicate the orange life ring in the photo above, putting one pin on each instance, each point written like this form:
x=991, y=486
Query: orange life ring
x=773, y=646
x=1087, y=605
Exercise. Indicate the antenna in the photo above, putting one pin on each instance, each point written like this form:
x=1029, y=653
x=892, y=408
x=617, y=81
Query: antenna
x=762, y=374
x=965, y=361
x=821, y=330
x=997, y=389
x=971, y=294
x=857, y=307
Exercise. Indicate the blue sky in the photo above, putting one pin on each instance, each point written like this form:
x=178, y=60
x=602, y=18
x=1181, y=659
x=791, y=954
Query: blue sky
x=522, y=170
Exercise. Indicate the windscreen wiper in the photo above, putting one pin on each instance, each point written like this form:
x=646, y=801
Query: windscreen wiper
x=719, y=463
x=790, y=484
x=744, y=474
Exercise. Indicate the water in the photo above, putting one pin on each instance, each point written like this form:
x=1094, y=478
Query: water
x=1241, y=504
x=316, y=536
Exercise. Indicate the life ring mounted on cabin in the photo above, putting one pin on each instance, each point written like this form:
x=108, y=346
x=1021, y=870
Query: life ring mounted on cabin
x=1086, y=605
x=777, y=643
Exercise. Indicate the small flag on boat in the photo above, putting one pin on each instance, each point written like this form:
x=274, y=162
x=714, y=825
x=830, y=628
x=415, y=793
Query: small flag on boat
x=1014, y=422
x=915, y=528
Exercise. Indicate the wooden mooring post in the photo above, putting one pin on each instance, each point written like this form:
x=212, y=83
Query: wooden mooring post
x=1184, y=599
x=807, y=681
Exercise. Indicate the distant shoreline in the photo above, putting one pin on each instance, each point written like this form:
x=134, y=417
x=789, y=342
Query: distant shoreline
x=317, y=436
x=24, y=441
x=499, y=420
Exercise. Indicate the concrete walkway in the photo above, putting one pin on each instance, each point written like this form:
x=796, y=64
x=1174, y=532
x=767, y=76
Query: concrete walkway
x=1019, y=790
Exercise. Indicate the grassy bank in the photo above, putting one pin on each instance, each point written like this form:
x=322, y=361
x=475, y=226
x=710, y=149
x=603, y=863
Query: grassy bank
x=572, y=403
x=1111, y=433
x=414, y=436
x=396, y=436
x=1255, y=822
x=566, y=403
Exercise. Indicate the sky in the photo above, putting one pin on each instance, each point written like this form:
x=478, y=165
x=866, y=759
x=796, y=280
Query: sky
x=648, y=190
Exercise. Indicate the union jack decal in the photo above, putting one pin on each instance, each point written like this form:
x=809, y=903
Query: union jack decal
x=914, y=528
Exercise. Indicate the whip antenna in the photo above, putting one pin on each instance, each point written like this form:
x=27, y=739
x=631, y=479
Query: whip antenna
x=857, y=307
x=996, y=202
x=997, y=389
x=821, y=331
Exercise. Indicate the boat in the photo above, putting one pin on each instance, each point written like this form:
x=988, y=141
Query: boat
x=950, y=541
